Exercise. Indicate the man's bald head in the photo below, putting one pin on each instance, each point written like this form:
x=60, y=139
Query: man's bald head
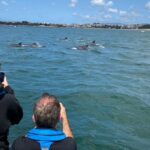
x=46, y=111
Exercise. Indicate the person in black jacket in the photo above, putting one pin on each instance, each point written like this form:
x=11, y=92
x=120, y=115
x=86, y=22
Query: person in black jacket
x=10, y=112
x=44, y=136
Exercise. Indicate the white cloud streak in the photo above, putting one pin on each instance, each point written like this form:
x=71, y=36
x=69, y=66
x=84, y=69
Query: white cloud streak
x=4, y=3
x=147, y=5
x=107, y=16
x=98, y=2
x=75, y=14
x=101, y=3
x=73, y=3
x=113, y=10
x=109, y=3
x=122, y=12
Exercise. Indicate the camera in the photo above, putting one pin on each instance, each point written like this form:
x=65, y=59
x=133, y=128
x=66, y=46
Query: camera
x=2, y=74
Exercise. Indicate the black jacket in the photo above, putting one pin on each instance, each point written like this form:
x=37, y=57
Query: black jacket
x=24, y=143
x=10, y=113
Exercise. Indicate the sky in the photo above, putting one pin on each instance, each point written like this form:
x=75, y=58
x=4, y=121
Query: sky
x=76, y=11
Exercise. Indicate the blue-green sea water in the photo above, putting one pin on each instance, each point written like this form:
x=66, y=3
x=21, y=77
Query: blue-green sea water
x=106, y=89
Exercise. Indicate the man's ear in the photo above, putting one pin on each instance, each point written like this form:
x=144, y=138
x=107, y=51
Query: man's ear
x=33, y=118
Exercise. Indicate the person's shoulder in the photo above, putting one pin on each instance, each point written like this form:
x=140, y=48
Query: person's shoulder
x=67, y=144
x=24, y=143
x=10, y=99
x=9, y=96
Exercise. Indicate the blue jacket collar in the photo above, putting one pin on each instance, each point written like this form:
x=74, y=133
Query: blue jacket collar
x=46, y=137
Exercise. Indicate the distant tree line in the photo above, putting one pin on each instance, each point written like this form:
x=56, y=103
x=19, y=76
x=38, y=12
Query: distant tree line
x=30, y=24
x=94, y=25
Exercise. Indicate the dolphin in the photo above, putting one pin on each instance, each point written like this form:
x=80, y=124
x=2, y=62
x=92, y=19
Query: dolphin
x=32, y=45
x=83, y=47
x=93, y=43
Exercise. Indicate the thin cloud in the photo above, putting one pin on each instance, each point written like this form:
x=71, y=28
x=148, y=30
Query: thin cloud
x=98, y=18
x=87, y=16
x=109, y=3
x=107, y=16
x=113, y=10
x=4, y=3
x=53, y=4
x=98, y=2
x=73, y=3
x=135, y=14
x=130, y=16
x=75, y=14
x=122, y=12
x=147, y=5
x=101, y=3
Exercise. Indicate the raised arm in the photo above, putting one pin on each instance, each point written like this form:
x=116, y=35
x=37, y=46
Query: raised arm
x=6, y=86
x=65, y=122
x=14, y=111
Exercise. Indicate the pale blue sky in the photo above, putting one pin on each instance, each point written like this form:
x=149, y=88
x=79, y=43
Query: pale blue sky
x=76, y=11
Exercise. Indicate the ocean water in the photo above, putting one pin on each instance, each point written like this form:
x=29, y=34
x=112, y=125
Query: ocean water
x=105, y=89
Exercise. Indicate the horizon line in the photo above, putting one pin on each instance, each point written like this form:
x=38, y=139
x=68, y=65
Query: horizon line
x=21, y=21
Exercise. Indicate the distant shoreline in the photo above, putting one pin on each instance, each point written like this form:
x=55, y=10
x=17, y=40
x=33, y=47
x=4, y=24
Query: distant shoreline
x=89, y=26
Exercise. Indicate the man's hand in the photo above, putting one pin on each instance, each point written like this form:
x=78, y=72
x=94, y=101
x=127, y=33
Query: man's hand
x=63, y=114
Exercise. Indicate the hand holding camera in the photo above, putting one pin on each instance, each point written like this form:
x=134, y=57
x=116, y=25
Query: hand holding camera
x=3, y=79
x=63, y=114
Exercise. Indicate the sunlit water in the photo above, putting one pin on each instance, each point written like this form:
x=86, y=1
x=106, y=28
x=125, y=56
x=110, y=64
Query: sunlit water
x=106, y=89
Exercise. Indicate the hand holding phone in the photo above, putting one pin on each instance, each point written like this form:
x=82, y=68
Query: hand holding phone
x=63, y=114
x=3, y=79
